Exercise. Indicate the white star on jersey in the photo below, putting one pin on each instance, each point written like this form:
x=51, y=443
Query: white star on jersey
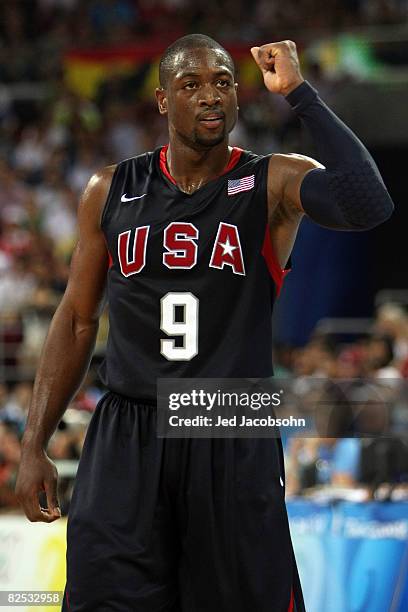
x=227, y=247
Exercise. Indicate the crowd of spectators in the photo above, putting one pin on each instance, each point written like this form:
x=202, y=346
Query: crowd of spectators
x=359, y=397
x=35, y=33
x=51, y=141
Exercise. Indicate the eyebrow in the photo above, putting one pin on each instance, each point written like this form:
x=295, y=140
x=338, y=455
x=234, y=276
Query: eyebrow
x=184, y=75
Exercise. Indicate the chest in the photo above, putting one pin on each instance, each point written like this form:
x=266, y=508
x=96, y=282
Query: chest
x=155, y=229
x=180, y=247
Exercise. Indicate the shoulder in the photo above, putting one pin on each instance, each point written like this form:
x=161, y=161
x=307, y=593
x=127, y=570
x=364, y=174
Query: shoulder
x=100, y=182
x=286, y=166
x=291, y=162
x=249, y=161
x=94, y=197
x=105, y=183
x=143, y=161
x=247, y=156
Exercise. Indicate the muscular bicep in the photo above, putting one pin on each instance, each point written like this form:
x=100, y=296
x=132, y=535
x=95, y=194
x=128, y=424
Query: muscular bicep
x=90, y=261
x=285, y=176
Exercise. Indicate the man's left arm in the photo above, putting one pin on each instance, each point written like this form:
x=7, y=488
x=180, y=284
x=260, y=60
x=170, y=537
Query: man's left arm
x=347, y=192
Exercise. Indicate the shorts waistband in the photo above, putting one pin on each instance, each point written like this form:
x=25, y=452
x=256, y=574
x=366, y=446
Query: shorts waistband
x=139, y=401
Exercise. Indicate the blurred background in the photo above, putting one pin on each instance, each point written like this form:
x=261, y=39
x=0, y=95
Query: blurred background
x=77, y=83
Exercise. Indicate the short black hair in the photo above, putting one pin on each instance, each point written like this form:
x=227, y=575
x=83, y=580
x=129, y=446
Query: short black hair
x=191, y=41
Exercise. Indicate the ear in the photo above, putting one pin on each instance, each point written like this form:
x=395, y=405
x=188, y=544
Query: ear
x=161, y=98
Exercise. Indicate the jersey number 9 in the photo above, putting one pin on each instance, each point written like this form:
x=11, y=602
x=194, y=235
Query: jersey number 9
x=186, y=327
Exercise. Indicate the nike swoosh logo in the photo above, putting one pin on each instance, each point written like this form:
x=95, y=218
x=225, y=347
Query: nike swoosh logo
x=125, y=199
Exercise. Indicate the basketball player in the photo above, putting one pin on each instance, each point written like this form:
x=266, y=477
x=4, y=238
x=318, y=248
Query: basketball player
x=190, y=242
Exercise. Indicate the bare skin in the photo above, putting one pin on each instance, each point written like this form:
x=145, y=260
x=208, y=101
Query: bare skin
x=66, y=353
x=200, y=102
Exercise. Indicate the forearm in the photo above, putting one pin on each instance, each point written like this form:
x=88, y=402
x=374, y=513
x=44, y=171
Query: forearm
x=349, y=193
x=63, y=364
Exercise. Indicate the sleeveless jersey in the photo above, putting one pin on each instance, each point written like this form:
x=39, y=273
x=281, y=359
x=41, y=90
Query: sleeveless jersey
x=192, y=278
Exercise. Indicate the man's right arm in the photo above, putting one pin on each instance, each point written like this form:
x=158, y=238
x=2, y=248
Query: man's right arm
x=66, y=353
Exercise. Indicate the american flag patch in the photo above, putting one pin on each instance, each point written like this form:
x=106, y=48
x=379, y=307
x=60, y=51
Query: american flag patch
x=245, y=183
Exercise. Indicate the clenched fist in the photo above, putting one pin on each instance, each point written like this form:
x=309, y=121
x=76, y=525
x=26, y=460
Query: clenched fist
x=279, y=64
x=37, y=473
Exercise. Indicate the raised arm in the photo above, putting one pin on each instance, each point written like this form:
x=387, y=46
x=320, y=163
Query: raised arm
x=347, y=192
x=66, y=353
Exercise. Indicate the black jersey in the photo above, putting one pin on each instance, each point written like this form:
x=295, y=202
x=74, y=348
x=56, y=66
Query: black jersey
x=192, y=278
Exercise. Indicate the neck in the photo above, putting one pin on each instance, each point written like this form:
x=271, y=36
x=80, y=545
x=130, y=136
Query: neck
x=192, y=168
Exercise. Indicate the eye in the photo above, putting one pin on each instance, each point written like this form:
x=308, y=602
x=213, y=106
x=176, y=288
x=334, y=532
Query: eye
x=190, y=85
x=224, y=82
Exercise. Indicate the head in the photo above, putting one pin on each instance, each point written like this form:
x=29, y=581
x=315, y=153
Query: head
x=392, y=320
x=380, y=352
x=197, y=91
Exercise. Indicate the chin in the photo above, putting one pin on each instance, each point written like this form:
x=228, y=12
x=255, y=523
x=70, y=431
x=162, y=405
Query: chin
x=209, y=141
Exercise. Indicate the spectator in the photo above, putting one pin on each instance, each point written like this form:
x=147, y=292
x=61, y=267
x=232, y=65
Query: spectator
x=14, y=405
x=9, y=460
x=392, y=320
x=381, y=357
x=322, y=461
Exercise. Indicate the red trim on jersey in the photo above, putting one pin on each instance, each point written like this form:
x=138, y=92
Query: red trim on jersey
x=67, y=600
x=235, y=155
x=163, y=164
x=292, y=602
x=233, y=160
x=110, y=261
x=274, y=268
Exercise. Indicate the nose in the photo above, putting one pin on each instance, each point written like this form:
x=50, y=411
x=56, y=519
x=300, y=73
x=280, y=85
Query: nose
x=209, y=95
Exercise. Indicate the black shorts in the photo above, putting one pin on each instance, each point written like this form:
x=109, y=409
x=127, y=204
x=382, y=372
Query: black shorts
x=177, y=525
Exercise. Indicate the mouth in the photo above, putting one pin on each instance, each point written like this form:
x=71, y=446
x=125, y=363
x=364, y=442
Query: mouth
x=212, y=120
